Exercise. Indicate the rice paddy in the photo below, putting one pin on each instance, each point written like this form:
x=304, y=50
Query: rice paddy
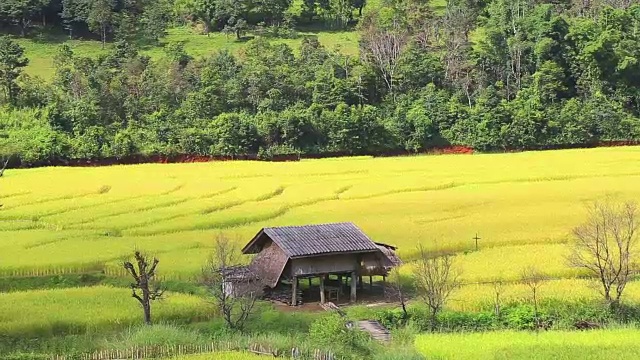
x=522, y=205
x=37, y=313
x=73, y=220
x=600, y=344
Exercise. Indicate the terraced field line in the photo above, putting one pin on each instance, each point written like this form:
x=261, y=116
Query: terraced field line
x=231, y=223
x=53, y=199
x=12, y=195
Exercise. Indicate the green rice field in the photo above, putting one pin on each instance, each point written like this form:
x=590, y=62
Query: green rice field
x=587, y=345
x=88, y=309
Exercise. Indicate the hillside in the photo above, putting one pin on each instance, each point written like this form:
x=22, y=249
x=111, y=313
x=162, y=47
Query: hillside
x=42, y=52
x=208, y=78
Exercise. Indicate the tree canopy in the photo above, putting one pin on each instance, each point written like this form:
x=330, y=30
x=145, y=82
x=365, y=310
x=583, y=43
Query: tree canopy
x=494, y=75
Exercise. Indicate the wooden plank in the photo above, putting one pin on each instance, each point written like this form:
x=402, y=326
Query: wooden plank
x=375, y=329
x=322, y=300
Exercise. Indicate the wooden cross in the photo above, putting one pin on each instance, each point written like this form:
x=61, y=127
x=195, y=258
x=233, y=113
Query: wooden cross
x=476, y=238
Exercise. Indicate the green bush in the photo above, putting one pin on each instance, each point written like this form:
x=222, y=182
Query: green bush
x=340, y=335
x=276, y=150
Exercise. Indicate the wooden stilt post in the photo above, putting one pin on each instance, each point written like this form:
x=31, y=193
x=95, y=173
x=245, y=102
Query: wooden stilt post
x=360, y=282
x=322, y=289
x=353, y=286
x=370, y=282
x=294, y=291
x=309, y=283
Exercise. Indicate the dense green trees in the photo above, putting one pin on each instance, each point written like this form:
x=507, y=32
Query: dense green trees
x=12, y=61
x=494, y=76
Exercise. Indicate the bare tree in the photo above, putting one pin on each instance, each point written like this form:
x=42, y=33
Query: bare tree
x=144, y=281
x=383, y=48
x=605, y=245
x=397, y=290
x=457, y=23
x=534, y=279
x=4, y=165
x=7, y=151
x=498, y=289
x=234, y=288
x=435, y=280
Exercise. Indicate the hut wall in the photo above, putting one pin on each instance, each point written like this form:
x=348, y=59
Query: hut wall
x=325, y=264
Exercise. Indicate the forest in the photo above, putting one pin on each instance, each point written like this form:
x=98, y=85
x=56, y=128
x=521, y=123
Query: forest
x=492, y=75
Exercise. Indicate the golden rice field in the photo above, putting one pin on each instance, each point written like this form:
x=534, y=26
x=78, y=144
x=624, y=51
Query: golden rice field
x=557, y=345
x=522, y=205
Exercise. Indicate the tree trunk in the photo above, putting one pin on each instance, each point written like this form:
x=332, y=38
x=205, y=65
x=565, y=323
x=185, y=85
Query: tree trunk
x=147, y=313
x=434, y=314
x=405, y=314
x=104, y=36
x=146, y=306
x=4, y=167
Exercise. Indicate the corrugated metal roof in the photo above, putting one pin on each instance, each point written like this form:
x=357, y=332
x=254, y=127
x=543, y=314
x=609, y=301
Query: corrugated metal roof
x=320, y=239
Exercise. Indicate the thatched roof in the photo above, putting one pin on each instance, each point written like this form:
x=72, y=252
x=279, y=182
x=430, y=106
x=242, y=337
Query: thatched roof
x=238, y=273
x=392, y=259
x=382, y=262
x=269, y=264
x=310, y=240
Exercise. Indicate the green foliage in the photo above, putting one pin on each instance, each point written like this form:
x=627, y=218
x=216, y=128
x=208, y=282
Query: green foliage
x=500, y=77
x=12, y=61
x=337, y=333
x=554, y=314
x=20, y=12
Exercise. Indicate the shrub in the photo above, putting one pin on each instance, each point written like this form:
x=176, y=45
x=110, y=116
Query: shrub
x=467, y=321
x=391, y=318
x=339, y=335
x=276, y=150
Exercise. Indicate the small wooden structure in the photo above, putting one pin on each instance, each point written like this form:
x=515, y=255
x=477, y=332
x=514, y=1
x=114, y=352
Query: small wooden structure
x=291, y=253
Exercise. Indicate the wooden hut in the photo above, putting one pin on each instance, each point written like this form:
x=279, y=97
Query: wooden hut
x=292, y=253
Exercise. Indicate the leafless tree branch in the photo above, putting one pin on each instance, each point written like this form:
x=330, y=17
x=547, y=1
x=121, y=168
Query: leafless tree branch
x=234, y=289
x=606, y=244
x=144, y=280
x=435, y=280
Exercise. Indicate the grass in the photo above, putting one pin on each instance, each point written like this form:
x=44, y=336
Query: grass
x=227, y=355
x=42, y=51
x=42, y=48
x=87, y=309
x=599, y=344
